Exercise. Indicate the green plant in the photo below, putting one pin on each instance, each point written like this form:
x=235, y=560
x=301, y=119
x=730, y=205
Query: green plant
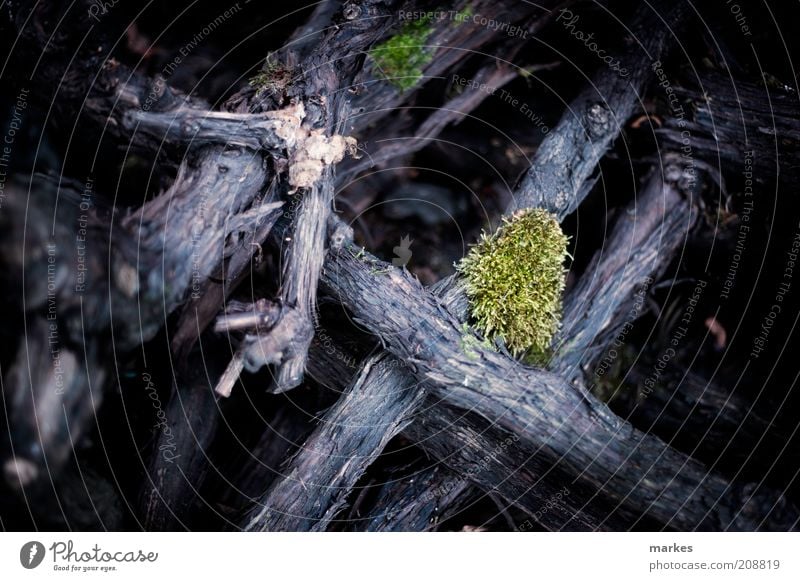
x=514, y=281
x=401, y=58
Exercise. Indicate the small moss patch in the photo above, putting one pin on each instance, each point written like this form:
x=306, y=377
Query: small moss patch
x=464, y=15
x=273, y=78
x=514, y=282
x=401, y=59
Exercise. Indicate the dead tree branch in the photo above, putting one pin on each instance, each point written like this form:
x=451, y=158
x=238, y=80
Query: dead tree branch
x=569, y=154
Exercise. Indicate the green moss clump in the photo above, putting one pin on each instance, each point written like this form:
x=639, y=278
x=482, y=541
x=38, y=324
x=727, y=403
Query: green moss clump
x=514, y=281
x=401, y=59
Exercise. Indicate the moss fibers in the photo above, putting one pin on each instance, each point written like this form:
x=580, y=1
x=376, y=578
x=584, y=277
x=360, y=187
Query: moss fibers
x=514, y=281
x=402, y=58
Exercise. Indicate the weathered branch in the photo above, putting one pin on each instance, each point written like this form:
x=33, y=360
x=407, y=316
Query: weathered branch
x=452, y=112
x=179, y=462
x=492, y=458
x=352, y=434
x=646, y=237
x=736, y=434
x=727, y=121
x=255, y=449
x=190, y=223
x=286, y=344
x=562, y=426
x=272, y=132
x=415, y=504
